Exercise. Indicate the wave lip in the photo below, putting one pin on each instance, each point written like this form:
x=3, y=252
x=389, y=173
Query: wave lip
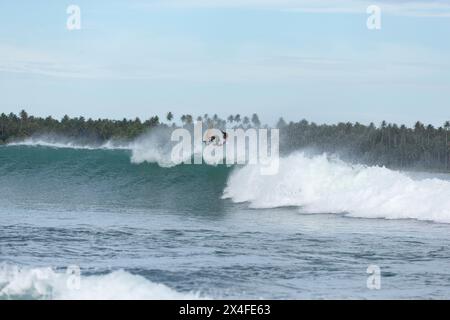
x=321, y=184
x=154, y=147
x=46, y=283
x=68, y=144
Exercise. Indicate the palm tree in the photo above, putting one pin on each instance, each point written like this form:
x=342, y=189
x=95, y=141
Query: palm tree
x=230, y=118
x=23, y=115
x=169, y=116
x=23, y=119
x=255, y=120
x=246, y=121
x=281, y=123
x=418, y=126
x=154, y=121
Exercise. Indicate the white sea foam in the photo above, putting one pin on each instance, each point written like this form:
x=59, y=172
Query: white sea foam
x=157, y=147
x=61, y=143
x=154, y=147
x=321, y=184
x=46, y=283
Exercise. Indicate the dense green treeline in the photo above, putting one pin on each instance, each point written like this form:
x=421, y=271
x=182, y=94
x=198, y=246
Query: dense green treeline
x=13, y=127
x=388, y=144
x=423, y=146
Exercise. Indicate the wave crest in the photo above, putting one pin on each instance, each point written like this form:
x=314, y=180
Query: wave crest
x=321, y=184
x=153, y=147
x=61, y=143
x=46, y=283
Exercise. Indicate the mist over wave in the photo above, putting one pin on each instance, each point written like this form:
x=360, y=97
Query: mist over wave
x=321, y=184
x=66, y=143
x=46, y=283
x=314, y=183
x=153, y=147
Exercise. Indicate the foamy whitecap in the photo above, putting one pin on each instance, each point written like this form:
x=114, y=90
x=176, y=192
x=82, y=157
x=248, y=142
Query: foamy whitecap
x=153, y=147
x=68, y=144
x=323, y=185
x=46, y=283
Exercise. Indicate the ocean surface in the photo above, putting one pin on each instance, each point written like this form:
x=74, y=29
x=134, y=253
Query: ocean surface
x=139, y=228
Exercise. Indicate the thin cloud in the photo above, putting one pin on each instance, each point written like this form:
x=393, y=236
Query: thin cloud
x=15, y=59
x=249, y=68
x=414, y=8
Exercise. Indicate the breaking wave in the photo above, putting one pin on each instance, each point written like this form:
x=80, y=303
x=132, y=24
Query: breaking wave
x=151, y=148
x=46, y=283
x=321, y=184
x=61, y=143
x=315, y=184
x=154, y=147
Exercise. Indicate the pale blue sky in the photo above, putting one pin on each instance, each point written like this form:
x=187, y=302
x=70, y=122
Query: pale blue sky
x=291, y=58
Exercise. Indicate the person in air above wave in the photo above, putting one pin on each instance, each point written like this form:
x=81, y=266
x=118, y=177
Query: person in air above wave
x=212, y=139
x=216, y=139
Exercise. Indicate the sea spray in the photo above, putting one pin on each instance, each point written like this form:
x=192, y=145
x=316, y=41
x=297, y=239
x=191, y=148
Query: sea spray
x=315, y=184
x=321, y=184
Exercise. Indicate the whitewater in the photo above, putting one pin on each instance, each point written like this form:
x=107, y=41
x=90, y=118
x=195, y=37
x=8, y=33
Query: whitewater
x=315, y=184
x=140, y=227
x=321, y=184
x=47, y=283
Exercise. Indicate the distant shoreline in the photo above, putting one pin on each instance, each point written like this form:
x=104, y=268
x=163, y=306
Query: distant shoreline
x=422, y=147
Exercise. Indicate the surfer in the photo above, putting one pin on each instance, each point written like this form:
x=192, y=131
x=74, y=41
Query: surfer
x=216, y=139
x=212, y=139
